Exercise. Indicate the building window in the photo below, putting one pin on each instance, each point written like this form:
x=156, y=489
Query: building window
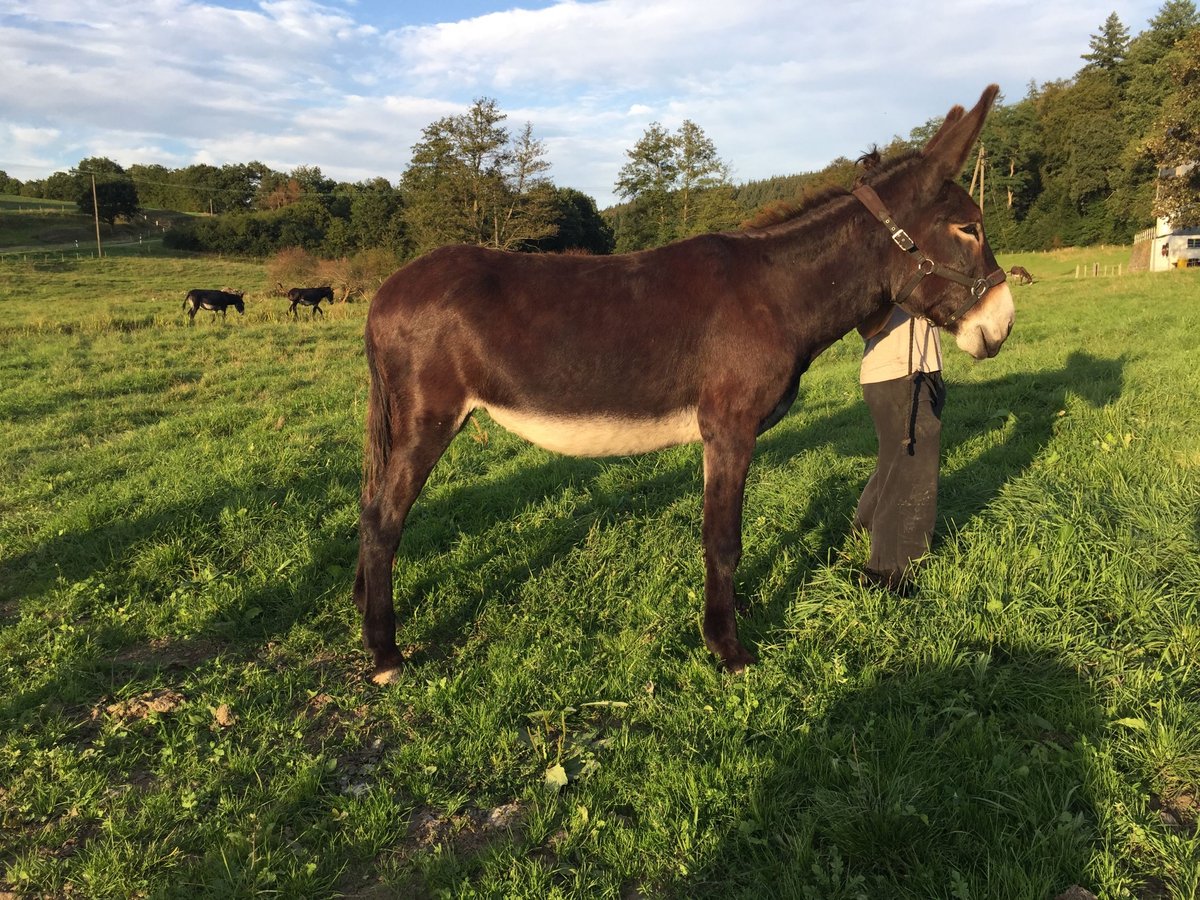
x=1193, y=243
x=1194, y=262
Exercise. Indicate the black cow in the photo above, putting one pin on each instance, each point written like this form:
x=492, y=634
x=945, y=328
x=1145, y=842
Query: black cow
x=310, y=297
x=217, y=301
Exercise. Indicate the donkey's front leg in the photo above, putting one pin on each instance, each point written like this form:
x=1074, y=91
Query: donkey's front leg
x=726, y=461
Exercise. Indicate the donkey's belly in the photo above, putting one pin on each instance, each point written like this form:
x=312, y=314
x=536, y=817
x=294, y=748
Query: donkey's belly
x=599, y=435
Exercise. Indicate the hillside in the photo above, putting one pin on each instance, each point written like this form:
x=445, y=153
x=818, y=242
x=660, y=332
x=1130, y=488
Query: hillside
x=31, y=225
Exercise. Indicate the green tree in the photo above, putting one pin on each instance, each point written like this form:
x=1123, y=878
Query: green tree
x=1110, y=47
x=1083, y=135
x=114, y=192
x=663, y=181
x=236, y=185
x=377, y=217
x=9, y=185
x=1014, y=142
x=313, y=183
x=580, y=225
x=648, y=181
x=1175, y=144
x=699, y=170
x=301, y=224
x=61, y=186
x=154, y=184
x=470, y=181
x=1147, y=88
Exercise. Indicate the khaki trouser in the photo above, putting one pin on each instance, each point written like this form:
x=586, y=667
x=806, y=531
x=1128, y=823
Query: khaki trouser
x=898, y=506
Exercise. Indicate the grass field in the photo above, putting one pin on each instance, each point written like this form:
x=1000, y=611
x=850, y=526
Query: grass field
x=184, y=707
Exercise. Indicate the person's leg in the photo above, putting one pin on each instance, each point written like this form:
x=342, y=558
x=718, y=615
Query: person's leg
x=899, y=504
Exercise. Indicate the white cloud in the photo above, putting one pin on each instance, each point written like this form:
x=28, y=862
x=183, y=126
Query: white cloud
x=779, y=86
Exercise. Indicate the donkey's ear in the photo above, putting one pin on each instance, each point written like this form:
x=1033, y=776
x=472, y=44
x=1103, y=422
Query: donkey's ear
x=948, y=150
x=952, y=119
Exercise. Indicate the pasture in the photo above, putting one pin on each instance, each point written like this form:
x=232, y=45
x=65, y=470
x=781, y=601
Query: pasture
x=184, y=707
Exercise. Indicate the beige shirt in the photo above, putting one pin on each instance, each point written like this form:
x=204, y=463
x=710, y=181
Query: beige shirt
x=887, y=354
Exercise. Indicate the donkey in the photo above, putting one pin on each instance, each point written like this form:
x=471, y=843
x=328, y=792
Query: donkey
x=217, y=301
x=310, y=297
x=701, y=340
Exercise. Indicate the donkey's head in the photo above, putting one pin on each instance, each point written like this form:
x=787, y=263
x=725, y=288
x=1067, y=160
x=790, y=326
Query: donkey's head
x=950, y=275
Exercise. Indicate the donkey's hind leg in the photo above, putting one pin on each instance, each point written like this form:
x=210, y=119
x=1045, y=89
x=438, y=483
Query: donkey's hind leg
x=417, y=443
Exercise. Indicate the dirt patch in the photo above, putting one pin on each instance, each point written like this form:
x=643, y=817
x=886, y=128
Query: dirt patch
x=167, y=653
x=468, y=831
x=162, y=701
x=356, y=770
x=1178, y=813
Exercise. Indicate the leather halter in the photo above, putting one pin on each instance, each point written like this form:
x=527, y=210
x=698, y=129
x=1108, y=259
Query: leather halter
x=926, y=266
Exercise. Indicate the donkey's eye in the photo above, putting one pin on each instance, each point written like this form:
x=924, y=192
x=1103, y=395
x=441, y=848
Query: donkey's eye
x=971, y=230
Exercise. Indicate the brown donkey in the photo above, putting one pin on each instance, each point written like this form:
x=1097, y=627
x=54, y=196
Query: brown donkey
x=702, y=340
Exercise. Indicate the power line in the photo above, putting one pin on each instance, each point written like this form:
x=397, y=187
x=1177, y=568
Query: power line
x=205, y=188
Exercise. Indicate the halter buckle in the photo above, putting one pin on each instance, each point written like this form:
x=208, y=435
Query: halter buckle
x=903, y=241
x=980, y=287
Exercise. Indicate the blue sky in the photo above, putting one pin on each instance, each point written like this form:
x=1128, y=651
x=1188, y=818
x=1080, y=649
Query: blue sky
x=779, y=86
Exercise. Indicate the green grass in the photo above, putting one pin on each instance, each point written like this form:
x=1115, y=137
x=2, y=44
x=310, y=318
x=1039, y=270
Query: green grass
x=183, y=698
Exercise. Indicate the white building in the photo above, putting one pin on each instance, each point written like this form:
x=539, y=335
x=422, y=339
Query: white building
x=1173, y=248
x=1169, y=248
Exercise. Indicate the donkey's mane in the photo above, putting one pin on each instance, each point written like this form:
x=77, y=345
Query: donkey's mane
x=873, y=168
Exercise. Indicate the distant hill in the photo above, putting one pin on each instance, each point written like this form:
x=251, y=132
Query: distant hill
x=30, y=225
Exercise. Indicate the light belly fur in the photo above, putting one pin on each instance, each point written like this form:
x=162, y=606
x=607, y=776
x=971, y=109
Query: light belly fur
x=599, y=435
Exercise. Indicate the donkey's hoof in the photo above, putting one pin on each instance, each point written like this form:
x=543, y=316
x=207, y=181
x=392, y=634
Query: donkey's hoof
x=386, y=676
x=737, y=663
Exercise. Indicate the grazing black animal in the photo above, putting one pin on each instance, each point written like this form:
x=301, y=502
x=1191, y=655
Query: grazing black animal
x=1022, y=274
x=217, y=301
x=702, y=340
x=310, y=297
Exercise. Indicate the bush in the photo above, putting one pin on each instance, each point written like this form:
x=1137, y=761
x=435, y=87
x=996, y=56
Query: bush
x=293, y=267
x=359, y=275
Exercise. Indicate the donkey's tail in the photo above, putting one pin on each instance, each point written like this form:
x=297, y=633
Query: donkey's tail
x=378, y=442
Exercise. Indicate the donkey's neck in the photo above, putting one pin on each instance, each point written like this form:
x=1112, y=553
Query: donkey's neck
x=837, y=264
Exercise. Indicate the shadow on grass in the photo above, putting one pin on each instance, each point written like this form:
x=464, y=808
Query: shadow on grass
x=967, y=779
x=1033, y=398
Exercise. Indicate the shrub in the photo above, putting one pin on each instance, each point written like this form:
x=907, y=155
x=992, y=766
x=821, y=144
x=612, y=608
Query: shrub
x=359, y=275
x=293, y=267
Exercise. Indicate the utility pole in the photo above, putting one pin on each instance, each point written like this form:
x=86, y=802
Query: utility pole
x=96, y=214
x=980, y=166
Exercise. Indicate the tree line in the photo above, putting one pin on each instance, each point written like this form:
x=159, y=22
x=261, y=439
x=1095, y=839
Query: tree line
x=1074, y=162
x=1090, y=159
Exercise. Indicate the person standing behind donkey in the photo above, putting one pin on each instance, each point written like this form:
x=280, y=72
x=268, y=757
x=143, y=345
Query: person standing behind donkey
x=901, y=377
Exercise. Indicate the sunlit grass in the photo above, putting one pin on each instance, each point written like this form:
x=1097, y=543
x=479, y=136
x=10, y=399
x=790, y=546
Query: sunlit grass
x=183, y=702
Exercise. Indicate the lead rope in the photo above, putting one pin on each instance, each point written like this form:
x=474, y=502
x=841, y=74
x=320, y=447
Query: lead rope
x=910, y=441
